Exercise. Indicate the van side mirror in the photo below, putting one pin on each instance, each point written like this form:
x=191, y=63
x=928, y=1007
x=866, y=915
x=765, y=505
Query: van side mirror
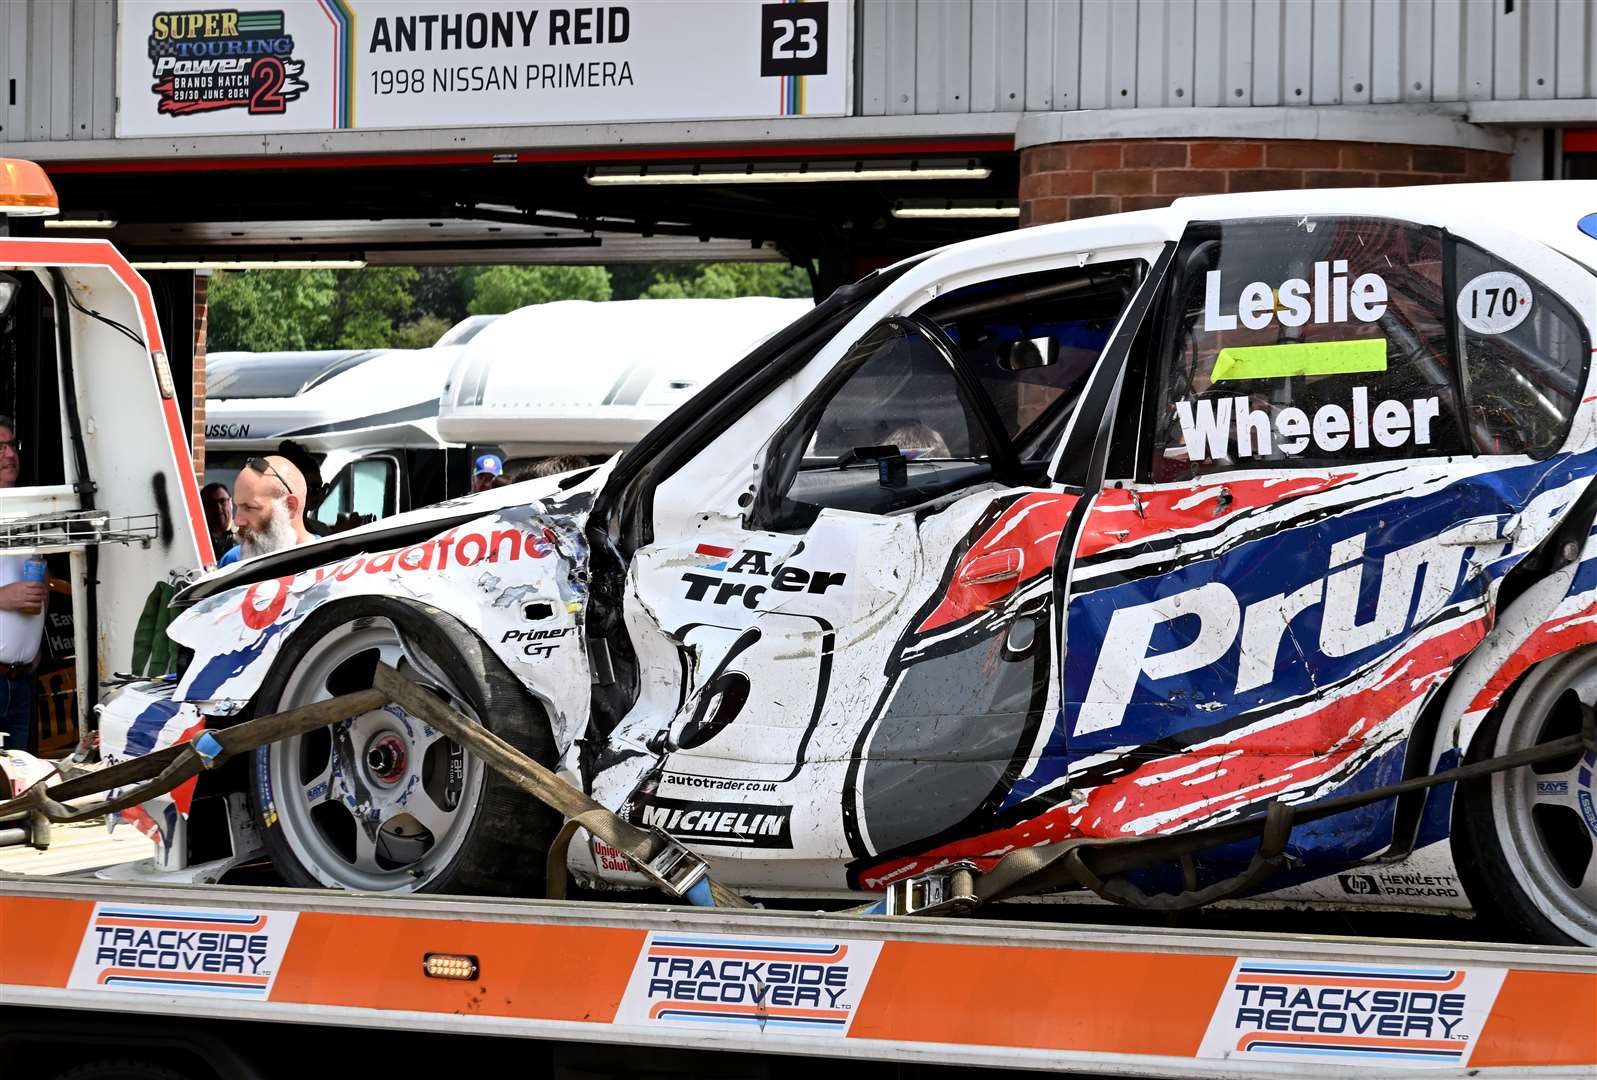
x=9, y=288
x=1028, y=354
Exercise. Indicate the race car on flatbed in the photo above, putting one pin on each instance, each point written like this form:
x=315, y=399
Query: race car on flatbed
x=1117, y=527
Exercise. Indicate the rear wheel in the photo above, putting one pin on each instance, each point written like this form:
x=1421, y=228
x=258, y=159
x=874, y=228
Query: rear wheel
x=383, y=802
x=1526, y=839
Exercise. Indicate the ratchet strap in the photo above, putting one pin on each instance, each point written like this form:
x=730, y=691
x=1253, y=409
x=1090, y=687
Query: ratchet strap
x=1099, y=865
x=660, y=857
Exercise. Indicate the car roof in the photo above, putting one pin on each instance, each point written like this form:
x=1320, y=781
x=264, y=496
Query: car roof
x=1545, y=210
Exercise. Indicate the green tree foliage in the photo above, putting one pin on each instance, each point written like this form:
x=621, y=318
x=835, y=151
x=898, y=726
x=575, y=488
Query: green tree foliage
x=269, y=310
x=722, y=280
x=368, y=304
x=402, y=307
x=285, y=310
x=497, y=289
x=421, y=332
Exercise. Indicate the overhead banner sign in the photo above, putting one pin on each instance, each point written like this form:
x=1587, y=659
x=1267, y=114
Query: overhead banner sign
x=186, y=67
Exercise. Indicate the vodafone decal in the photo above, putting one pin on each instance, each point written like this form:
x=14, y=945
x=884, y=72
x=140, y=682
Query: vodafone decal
x=264, y=601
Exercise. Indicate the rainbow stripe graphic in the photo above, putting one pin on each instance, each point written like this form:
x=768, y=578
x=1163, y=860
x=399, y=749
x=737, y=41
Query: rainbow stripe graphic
x=342, y=16
x=792, y=91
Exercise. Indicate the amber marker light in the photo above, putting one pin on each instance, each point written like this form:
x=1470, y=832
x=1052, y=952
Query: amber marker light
x=438, y=965
x=25, y=191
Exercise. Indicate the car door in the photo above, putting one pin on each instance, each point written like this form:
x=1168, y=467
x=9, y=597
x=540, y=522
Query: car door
x=1323, y=467
x=865, y=654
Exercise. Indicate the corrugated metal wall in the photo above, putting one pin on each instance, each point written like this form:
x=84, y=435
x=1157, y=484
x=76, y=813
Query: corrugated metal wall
x=57, y=57
x=57, y=70
x=953, y=56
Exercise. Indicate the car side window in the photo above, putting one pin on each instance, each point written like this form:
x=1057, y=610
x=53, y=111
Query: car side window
x=892, y=428
x=1032, y=340
x=1525, y=356
x=1305, y=343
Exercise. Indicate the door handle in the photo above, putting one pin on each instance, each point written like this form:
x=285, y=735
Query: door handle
x=992, y=568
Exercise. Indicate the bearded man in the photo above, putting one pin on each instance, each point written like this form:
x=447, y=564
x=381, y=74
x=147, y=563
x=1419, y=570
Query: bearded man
x=268, y=508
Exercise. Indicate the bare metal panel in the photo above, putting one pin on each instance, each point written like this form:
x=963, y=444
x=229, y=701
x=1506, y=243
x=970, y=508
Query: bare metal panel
x=1479, y=38
x=1040, y=55
x=61, y=69
x=1181, y=23
x=40, y=63
x=1571, y=77
x=81, y=106
x=1268, y=52
x=1209, y=38
x=1541, y=50
x=104, y=81
x=1297, y=46
x=1419, y=41
x=1081, y=54
x=1357, y=48
x=1238, y=57
x=871, y=65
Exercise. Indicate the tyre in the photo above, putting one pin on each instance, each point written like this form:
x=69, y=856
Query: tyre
x=382, y=802
x=1525, y=840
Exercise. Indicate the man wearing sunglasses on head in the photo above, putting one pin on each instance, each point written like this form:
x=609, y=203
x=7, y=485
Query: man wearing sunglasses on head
x=268, y=508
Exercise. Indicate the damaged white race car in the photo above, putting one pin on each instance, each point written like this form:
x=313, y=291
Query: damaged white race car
x=1116, y=527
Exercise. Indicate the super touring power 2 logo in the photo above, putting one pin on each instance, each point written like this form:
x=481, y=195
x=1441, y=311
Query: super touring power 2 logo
x=203, y=61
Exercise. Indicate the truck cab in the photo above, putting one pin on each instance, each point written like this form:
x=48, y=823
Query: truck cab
x=105, y=488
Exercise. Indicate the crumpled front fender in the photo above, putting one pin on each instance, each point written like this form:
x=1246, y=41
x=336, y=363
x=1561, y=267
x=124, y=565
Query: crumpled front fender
x=517, y=578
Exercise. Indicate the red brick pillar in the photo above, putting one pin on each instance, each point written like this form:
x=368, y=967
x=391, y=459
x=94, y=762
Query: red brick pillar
x=202, y=285
x=1061, y=181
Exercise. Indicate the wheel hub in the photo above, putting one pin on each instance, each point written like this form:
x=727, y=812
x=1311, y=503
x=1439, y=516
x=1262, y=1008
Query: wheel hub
x=386, y=759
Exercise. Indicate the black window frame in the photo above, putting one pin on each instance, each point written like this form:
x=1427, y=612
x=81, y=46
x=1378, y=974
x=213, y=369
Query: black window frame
x=778, y=471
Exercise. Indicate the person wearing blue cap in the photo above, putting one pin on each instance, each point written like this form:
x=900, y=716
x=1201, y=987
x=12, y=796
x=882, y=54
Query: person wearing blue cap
x=485, y=473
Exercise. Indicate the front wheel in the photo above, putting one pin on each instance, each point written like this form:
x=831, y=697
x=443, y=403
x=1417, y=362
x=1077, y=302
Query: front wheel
x=383, y=802
x=1525, y=840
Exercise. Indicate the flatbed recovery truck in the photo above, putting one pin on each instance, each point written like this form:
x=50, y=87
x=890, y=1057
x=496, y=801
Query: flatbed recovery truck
x=259, y=982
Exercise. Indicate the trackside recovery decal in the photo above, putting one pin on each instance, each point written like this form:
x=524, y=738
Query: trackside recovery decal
x=775, y=985
x=1348, y=1015
x=171, y=950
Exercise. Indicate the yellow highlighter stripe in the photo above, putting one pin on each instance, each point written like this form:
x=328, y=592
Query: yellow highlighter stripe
x=1305, y=358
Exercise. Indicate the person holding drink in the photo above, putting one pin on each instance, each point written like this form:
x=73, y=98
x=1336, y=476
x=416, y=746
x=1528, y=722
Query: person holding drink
x=23, y=597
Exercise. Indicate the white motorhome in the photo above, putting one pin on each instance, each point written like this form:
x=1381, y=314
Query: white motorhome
x=585, y=378
x=369, y=416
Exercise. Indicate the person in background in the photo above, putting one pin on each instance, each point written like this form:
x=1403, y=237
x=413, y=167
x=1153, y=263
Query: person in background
x=218, y=504
x=315, y=491
x=22, y=605
x=486, y=471
x=269, y=508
